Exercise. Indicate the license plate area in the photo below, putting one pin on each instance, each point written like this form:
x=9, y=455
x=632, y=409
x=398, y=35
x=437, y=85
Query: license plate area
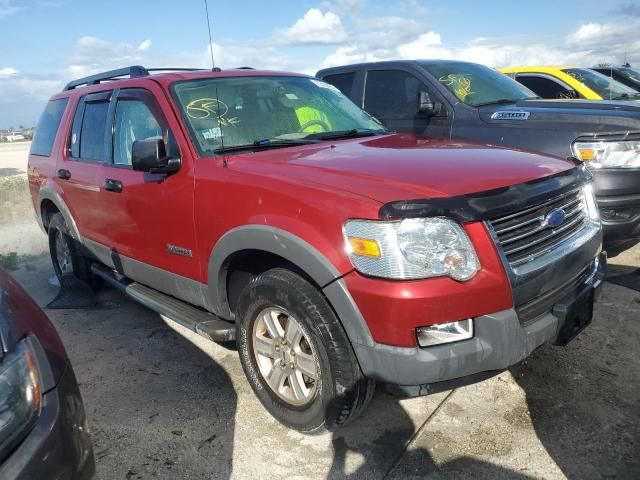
x=574, y=315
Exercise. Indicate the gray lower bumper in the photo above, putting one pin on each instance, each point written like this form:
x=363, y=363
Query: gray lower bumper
x=499, y=342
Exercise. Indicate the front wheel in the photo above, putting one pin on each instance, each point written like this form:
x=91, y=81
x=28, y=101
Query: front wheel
x=297, y=356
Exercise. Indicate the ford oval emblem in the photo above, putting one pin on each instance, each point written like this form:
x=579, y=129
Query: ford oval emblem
x=555, y=218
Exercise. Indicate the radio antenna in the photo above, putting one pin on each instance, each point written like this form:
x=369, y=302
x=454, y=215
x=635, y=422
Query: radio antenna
x=206, y=9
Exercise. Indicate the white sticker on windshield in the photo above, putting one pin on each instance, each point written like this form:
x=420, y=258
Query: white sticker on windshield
x=291, y=96
x=211, y=133
x=324, y=85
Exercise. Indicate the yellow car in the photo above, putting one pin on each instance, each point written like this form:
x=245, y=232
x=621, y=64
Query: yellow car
x=570, y=82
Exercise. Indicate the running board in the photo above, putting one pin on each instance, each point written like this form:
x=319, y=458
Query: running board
x=199, y=321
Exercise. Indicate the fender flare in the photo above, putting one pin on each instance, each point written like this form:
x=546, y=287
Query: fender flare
x=295, y=250
x=47, y=192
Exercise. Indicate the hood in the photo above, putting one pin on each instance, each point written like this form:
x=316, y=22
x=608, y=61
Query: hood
x=585, y=115
x=401, y=167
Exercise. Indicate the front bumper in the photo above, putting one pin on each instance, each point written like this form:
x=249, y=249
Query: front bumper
x=59, y=445
x=618, y=195
x=500, y=341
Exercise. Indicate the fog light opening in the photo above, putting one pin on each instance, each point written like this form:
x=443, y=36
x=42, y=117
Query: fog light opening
x=445, y=333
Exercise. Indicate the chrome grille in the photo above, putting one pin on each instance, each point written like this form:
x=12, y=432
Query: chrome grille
x=525, y=235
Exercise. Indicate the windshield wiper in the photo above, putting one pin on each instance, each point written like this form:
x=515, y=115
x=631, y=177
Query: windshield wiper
x=264, y=144
x=356, y=132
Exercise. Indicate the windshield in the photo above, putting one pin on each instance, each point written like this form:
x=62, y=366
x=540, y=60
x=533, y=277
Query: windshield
x=606, y=87
x=631, y=75
x=224, y=113
x=476, y=84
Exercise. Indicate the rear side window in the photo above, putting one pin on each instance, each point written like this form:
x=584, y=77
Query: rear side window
x=48, y=127
x=544, y=87
x=342, y=81
x=92, y=134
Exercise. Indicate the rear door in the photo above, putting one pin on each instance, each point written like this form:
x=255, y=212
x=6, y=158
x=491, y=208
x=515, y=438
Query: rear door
x=79, y=171
x=392, y=96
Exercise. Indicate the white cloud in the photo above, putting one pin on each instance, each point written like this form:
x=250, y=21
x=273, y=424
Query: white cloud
x=587, y=45
x=8, y=72
x=314, y=28
x=145, y=45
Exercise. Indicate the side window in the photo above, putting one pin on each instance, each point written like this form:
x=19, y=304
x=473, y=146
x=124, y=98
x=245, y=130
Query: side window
x=88, y=131
x=544, y=87
x=48, y=127
x=342, y=81
x=134, y=121
x=392, y=94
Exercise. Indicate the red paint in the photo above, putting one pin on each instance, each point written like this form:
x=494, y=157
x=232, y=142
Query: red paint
x=309, y=191
x=394, y=309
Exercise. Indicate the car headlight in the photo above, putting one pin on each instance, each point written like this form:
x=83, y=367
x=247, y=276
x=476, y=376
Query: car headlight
x=20, y=396
x=410, y=249
x=624, y=154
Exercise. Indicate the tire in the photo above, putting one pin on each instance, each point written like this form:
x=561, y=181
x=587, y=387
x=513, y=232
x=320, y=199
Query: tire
x=65, y=254
x=338, y=393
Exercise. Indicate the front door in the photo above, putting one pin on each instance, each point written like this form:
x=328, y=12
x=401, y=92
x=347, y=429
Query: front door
x=392, y=96
x=148, y=218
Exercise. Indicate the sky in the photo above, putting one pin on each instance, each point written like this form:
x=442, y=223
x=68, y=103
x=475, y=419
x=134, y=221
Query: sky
x=45, y=43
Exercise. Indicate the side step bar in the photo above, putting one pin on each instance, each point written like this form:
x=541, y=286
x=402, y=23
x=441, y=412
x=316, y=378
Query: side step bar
x=199, y=321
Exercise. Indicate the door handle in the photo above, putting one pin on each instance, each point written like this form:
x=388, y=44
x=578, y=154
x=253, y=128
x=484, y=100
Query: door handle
x=64, y=174
x=112, y=185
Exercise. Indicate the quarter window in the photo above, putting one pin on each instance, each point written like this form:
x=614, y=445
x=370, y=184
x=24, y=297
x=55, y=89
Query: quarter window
x=342, y=81
x=48, y=127
x=134, y=121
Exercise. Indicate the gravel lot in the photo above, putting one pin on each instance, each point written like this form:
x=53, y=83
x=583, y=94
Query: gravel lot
x=165, y=403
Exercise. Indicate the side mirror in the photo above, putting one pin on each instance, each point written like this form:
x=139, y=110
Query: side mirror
x=426, y=106
x=150, y=155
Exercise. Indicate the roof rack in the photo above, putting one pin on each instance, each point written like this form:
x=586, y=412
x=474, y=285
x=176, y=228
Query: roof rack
x=133, y=71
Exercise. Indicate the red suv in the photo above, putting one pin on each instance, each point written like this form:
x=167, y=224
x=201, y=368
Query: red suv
x=267, y=208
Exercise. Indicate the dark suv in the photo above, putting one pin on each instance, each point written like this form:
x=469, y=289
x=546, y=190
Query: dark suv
x=267, y=208
x=462, y=100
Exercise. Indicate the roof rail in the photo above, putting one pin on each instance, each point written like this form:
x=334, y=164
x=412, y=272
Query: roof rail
x=244, y=68
x=132, y=72
x=173, y=69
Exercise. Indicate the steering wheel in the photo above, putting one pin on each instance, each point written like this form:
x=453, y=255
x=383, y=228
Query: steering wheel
x=313, y=123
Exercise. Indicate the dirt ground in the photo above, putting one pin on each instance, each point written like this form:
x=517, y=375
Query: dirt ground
x=165, y=403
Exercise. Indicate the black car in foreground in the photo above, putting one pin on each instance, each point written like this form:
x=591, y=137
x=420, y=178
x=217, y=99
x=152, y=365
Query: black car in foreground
x=463, y=100
x=43, y=429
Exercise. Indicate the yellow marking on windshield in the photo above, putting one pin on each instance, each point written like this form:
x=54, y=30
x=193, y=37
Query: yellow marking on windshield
x=211, y=108
x=459, y=84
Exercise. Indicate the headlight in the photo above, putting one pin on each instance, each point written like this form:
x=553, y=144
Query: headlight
x=625, y=154
x=590, y=200
x=20, y=396
x=411, y=248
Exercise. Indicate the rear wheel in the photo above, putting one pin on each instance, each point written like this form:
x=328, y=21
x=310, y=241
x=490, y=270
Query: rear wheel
x=65, y=254
x=297, y=356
